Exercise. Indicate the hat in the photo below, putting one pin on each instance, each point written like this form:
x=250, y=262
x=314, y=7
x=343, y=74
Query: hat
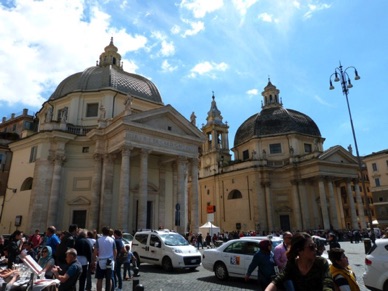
x=72, y=251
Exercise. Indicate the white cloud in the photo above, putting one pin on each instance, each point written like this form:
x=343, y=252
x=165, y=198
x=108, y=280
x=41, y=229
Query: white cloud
x=200, y=8
x=167, y=67
x=175, y=29
x=208, y=69
x=322, y=101
x=243, y=5
x=196, y=27
x=312, y=8
x=253, y=92
x=167, y=47
x=39, y=51
x=267, y=17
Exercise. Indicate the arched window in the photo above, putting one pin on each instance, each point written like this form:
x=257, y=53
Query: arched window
x=27, y=184
x=234, y=194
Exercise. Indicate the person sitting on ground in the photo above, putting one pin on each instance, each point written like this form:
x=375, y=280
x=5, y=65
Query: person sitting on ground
x=343, y=276
x=70, y=277
x=304, y=268
x=46, y=261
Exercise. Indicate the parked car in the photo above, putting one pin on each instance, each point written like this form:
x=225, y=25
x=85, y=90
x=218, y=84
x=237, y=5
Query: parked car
x=276, y=240
x=376, y=271
x=166, y=248
x=232, y=258
x=127, y=239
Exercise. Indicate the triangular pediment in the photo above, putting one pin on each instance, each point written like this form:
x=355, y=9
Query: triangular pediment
x=80, y=200
x=338, y=154
x=164, y=119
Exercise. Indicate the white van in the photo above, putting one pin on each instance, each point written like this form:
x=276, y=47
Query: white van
x=166, y=248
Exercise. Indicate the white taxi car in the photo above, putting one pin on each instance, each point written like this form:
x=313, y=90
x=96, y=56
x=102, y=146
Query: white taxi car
x=232, y=258
x=376, y=269
x=166, y=248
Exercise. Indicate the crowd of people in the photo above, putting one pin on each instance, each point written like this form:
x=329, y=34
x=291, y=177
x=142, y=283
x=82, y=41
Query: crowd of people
x=296, y=264
x=71, y=256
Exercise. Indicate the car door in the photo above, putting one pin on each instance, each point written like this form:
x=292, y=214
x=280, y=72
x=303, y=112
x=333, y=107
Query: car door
x=250, y=248
x=237, y=257
x=155, y=249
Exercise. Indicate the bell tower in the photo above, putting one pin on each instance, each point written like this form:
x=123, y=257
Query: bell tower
x=215, y=150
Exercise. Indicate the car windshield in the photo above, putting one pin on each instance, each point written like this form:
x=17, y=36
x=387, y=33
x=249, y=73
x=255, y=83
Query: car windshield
x=128, y=236
x=174, y=239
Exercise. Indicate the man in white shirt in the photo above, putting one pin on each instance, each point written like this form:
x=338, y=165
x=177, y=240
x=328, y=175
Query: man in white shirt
x=106, y=252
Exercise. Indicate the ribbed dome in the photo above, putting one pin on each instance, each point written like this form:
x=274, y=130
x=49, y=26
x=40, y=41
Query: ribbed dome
x=98, y=78
x=108, y=74
x=275, y=121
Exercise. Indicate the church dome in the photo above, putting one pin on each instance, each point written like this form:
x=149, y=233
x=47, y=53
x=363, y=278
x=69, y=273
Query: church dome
x=275, y=120
x=108, y=74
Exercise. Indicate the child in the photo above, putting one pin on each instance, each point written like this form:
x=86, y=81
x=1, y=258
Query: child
x=127, y=263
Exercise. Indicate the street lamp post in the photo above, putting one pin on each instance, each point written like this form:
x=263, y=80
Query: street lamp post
x=342, y=75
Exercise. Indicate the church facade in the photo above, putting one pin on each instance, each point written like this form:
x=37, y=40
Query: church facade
x=107, y=152
x=281, y=178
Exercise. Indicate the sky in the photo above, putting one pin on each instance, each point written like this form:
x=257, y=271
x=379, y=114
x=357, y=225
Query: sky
x=192, y=48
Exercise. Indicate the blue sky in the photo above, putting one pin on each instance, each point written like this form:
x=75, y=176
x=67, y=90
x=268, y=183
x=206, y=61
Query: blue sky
x=190, y=48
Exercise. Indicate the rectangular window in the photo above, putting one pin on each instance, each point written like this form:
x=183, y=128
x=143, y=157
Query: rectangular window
x=92, y=110
x=85, y=149
x=14, y=127
x=33, y=154
x=377, y=182
x=2, y=159
x=245, y=155
x=275, y=148
x=374, y=167
x=307, y=148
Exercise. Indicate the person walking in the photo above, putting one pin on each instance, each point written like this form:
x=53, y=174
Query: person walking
x=121, y=251
x=264, y=260
x=105, y=250
x=84, y=256
x=343, y=276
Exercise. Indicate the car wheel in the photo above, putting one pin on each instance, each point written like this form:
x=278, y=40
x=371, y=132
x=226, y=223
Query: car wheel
x=385, y=287
x=167, y=264
x=137, y=259
x=221, y=272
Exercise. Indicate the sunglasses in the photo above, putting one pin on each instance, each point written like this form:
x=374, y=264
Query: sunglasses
x=312, y=247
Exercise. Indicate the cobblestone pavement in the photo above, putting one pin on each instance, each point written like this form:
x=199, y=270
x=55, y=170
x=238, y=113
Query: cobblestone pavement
x=153, y=278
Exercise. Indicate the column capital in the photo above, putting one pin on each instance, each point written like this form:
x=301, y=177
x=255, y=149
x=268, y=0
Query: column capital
x=126, y=150
x=97, y=157
x=110, y=157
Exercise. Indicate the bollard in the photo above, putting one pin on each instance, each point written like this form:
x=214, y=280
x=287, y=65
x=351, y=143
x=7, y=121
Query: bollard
x=139, y=287
x=134, y=284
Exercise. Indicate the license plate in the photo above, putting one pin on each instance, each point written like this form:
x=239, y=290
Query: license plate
x=193, y=261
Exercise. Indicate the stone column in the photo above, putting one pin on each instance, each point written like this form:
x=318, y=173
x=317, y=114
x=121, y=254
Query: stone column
x=296, y=205
x=333, y=206
x=340, y=206
x=262, y=212
x=360, y=205
x=182, y=199
x=143, y=190
x=305, y=214
x=94, y=219
x=194, y=195
x=322, y=198
x=162, y=195
x=107, y=190
x=352, y=207
x=52, y=215
x=123, y=209
x=268, y=200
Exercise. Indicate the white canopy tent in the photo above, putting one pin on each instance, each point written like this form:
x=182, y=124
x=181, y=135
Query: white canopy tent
x=210, y=228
